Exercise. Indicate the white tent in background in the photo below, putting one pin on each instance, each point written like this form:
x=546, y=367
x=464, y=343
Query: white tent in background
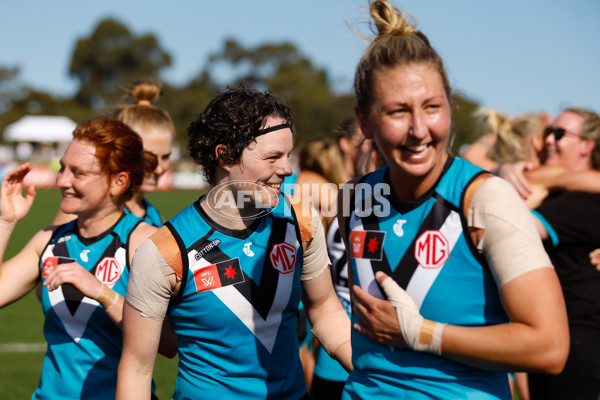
x=40, y=129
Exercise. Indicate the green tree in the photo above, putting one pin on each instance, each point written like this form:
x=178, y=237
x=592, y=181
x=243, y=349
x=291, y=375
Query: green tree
x=112, y=57
x=464, y=125
x=183, y=103
x=9, y=87
x=291, y=76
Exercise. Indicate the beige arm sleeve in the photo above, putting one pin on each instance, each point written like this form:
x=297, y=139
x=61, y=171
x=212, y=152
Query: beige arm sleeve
x=511, y=242
x=148, y=289
x=316, y=259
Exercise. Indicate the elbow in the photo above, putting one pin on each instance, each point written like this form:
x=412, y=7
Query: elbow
x=555, y=357
x=556, y=361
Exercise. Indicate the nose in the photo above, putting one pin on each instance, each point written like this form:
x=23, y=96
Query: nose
x=161, y=167
x=62, y=180
x=550, y=139
x=418, y=127
x=285, y=169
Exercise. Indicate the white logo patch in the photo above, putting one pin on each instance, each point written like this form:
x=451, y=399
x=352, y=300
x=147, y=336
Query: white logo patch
x=247, y=250
x=398, y=227
x=84, y=255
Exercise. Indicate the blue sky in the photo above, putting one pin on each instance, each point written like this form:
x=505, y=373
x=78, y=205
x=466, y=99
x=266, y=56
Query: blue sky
x=512, y=55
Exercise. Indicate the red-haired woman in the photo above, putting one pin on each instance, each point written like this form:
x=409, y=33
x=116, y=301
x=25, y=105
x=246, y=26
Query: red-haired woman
x=83, y=264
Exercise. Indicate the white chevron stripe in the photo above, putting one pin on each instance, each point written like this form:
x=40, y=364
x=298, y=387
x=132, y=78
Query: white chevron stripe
x=265, y=330
x=423, y=278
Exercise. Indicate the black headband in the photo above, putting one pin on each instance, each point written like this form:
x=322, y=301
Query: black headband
x=271, y=129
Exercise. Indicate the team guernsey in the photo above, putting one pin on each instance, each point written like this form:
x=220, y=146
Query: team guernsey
x=422, y=245
x=152, y=215
x=84, y=344
x=236, y=312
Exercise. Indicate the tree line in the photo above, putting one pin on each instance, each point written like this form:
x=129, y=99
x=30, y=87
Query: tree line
x=106, y=62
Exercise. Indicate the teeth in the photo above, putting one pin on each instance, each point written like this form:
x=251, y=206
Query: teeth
x=417, y=149
x=274, y=185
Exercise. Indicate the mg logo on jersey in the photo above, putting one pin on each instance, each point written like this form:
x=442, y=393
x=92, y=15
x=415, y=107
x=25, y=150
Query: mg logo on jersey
x=283, y=257
x=432, y=249
x=108, y=271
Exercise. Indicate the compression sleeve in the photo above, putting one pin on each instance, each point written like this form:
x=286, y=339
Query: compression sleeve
x=511, y=243
x=148, y=289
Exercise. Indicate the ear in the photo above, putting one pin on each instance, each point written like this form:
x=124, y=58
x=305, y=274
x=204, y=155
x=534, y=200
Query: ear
x=119, y=184
x=218, y=151
x=362, y=121
x=537, y=141
x=586, y=147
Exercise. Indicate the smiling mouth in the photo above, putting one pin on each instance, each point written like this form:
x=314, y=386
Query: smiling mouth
x=276, y=186
x=415, y=149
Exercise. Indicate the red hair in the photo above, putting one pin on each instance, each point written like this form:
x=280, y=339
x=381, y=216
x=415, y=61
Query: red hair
x=118, y=149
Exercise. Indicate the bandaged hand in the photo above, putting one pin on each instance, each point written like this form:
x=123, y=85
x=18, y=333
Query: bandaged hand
x=419, y=333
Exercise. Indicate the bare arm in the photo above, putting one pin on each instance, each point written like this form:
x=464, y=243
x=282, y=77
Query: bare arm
x=145, y=328
x=140, y=344
x=558, y=178
x=595, y=258
x=515, y=174
x=331, y=325
x=536, y=340
x=323, y=306
x=19, y=274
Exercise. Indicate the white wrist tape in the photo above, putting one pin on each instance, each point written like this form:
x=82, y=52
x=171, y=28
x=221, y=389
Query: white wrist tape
x=419, y=333
x=333, y=331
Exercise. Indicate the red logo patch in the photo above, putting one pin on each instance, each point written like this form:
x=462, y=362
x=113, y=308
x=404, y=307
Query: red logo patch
x=51, y=262
x=48, y=266
x=283, y=257
x=224, y=273
x=432, y=249
x=108, y=271
x=367, y=244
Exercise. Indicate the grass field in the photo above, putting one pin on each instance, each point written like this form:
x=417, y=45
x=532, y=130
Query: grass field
x=22, y=322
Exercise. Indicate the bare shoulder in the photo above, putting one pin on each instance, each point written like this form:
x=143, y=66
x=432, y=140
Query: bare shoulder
x=142, y=232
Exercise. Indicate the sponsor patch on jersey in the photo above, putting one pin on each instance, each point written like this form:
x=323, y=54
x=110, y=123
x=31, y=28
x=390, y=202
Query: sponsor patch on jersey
x=202, y=252
x=108, y=270
x=283, y=257
x=51, y=262
x=367, y=244
x=432, y=249
x=218, y=275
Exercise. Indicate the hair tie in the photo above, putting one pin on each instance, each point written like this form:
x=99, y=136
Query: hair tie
x=144, y=103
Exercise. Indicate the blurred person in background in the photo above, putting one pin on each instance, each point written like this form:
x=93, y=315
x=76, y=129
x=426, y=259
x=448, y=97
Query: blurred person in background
x=568, y=223
x=509, y=141
x=83, y=265
x=353, y=145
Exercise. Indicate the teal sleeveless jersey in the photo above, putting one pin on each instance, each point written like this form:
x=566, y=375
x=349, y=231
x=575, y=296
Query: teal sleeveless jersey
x=84, y=344
x=152, y=215
x=237, y=309
x=423, y=247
